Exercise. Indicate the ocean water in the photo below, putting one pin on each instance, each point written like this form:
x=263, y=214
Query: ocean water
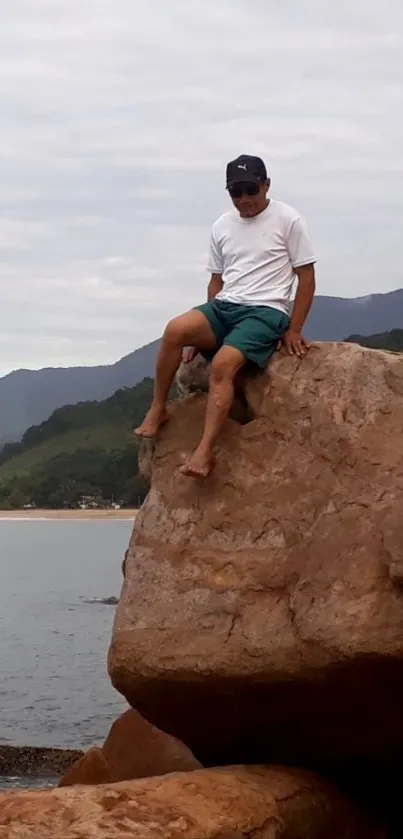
x=54, y=687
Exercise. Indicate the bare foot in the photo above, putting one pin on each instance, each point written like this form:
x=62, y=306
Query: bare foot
x=151, y=424
x=198, y=466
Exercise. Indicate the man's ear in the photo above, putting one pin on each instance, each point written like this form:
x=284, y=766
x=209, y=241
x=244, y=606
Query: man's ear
x=268, y=184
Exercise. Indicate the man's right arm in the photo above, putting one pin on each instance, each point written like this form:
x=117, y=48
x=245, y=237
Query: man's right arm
x=215, y=285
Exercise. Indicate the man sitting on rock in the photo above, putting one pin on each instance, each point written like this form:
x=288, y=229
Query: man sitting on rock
x=255, y=255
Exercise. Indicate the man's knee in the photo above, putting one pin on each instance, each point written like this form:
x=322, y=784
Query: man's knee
x=226, y=364
x=175, y=332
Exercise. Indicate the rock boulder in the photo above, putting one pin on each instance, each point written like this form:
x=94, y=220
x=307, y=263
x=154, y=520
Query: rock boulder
x=261, y=616
x=133, y=749
x=91, y=768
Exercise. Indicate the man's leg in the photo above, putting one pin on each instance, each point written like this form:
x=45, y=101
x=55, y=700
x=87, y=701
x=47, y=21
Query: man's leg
x=190, y=329
x=224, y=369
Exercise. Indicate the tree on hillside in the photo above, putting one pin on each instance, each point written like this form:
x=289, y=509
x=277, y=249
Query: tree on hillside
x=392, y=341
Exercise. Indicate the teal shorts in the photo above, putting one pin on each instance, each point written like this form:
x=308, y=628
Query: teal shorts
x=253, y=330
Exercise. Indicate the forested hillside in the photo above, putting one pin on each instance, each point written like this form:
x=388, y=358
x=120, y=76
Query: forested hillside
x=81, y=450
x=392, y=340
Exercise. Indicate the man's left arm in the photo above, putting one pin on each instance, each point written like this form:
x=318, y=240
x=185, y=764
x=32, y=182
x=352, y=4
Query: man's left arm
x=294, y=340
x=302, y=257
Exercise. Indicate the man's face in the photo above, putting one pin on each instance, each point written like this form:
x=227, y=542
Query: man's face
x=249, y=198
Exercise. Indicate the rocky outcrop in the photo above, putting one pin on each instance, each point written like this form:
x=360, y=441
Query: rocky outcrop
x=238, y=802
x=35, y=761
x=261, y=617
x=133, y=749
x=104, y=601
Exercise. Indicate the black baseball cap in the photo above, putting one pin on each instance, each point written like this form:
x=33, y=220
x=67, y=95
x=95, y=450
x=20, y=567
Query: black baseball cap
x=246, y=168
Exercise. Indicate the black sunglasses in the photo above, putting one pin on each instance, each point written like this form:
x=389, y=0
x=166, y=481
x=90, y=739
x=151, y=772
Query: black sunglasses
x=237, y=190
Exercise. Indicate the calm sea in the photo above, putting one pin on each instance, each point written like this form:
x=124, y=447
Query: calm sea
x=54, y=688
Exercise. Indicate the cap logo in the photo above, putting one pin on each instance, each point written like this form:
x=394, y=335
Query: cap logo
x=242, y=166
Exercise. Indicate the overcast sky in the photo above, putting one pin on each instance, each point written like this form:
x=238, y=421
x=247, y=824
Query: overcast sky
x=117, y=119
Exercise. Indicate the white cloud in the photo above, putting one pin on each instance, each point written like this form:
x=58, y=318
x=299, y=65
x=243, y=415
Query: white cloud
x=117, y=121
x=18, y=235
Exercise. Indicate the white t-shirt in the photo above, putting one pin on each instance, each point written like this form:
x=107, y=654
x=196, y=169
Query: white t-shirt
x=257, y=256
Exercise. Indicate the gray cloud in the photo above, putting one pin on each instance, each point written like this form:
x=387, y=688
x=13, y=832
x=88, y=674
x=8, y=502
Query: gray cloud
x=117, y=120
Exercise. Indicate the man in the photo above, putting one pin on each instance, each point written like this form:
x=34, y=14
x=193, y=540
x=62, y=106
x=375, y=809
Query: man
x=256, y=253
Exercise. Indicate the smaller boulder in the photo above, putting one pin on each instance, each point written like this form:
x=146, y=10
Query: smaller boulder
x=133, y=749
x=92, y=768
x=136, y=749
x=192, y=377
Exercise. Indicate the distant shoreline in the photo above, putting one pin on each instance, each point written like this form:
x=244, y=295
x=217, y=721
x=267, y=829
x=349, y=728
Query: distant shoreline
x=128, y=515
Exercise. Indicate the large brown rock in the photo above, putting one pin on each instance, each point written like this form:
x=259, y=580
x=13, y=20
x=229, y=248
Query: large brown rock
x=133, y=749
x=231, y=803
x=261, y=615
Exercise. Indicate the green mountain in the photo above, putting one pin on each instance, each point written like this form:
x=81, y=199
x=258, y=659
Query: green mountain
x=28, y=397
x=392, y=341
x=81, y=450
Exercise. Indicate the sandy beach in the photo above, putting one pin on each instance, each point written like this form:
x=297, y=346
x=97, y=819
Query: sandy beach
x=69, y=514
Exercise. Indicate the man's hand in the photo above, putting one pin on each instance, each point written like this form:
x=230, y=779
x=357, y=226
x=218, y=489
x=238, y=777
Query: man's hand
x=189, y=353
x=294, y=342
